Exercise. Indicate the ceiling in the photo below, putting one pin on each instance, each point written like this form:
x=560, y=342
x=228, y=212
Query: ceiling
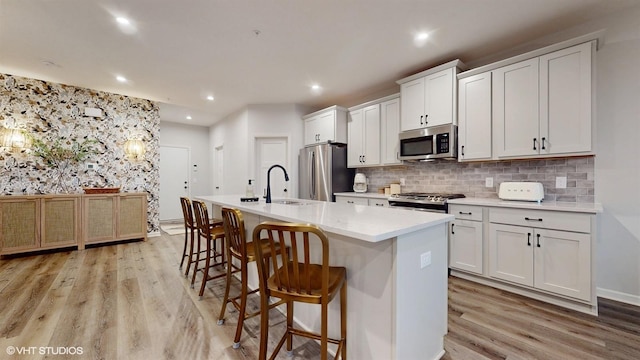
x=264, y=51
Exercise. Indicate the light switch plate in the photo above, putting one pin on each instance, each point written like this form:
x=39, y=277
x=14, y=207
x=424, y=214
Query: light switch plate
x=425, y=259
x=561, y=182
x=488, y=182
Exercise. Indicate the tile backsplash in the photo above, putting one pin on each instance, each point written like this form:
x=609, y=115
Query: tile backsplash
x=469, y=178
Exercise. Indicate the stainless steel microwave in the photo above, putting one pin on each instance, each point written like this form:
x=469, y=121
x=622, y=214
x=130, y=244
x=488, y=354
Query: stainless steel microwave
x=437, y=142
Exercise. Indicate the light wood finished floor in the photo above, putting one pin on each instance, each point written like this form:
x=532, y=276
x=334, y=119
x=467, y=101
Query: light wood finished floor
x=130, y=301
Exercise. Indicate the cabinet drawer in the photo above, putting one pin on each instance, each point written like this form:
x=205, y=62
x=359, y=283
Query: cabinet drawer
x=378, y=202
x=466, y=212
x=352, y=200
x=542, y=219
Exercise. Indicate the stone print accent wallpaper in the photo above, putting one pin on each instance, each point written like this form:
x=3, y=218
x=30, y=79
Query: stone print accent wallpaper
x=469, y=178
x=50, y=111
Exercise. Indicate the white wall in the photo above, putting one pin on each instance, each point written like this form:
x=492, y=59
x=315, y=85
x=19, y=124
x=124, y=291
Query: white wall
x=617, y=169
x=237, y=132
x=196, y=139
x=231, y=134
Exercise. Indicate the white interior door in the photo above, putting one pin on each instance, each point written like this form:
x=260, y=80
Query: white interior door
x=271, y=151
x=174, y=181
x=218, y=173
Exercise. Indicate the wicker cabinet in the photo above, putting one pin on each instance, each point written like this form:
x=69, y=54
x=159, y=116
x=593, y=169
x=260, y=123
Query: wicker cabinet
x=31, y=223
x=39, y=222
x=114, y=217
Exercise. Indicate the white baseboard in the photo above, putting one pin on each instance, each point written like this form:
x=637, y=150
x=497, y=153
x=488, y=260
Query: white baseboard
x=618, y=296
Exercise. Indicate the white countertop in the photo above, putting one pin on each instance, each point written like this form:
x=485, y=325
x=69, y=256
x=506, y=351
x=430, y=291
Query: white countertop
x=368, y=223
x=591, y=208
x=368, y=195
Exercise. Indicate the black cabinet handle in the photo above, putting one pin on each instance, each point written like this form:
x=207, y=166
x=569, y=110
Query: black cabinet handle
x=538, y=236
x=530, y=219
x=528, y=239
x=534, y=144
x=462, y=150
x=543, y=148
x=425, y=119
x=452, y=229
x=421, y=117
x=465, y=213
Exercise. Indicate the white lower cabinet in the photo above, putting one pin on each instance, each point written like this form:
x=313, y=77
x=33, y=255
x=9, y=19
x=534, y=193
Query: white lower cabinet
x=466, y=239
x=362, y=200
x=547, y=255
x=546, y=259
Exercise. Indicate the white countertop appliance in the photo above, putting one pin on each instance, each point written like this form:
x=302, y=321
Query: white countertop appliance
x=360, y=183
x=523, y=191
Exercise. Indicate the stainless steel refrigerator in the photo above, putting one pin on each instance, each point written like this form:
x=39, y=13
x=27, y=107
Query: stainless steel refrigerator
x=323, y=171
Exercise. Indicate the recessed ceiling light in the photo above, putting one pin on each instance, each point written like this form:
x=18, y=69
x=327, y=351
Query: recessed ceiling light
x=420, y=38
x=316, y=89
x=123, y=21
x=210, y=97
x=188, y=117
x=121, y=78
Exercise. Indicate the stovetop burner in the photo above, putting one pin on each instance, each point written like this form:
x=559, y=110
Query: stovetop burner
x=425, y=201
x=428, y=196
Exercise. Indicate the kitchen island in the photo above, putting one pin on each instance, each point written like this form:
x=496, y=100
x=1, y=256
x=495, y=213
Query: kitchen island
x=396, y=264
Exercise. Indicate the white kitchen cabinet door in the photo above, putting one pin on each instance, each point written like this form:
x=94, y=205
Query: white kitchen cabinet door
x=364, y=137
x=565, y=100
x=474, y=117
x=515, y=110
x=389, y=130
x=439, y=98
x=412, y=95
x=311, y=130
x=326, y=126
x=465, y=246
x=355, y=139
x=563, y=263
x=511, y=253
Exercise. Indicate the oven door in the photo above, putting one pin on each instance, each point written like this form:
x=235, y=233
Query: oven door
x=418, y=207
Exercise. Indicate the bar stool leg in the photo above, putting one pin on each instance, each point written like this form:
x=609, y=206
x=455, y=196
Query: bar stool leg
x=197, y=262
x=207, y=263
x=191, y=245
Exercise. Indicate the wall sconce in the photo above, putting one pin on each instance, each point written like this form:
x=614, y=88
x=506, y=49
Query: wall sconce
x=134, y=148
x=14, y=139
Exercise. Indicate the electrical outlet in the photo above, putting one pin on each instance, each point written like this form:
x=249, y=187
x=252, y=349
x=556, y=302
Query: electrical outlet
x=561, y=182
x=488, y=182
x=402, y=182
x=425, y=259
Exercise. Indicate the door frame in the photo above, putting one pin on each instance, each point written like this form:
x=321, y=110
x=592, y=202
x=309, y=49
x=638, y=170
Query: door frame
x=215, y=175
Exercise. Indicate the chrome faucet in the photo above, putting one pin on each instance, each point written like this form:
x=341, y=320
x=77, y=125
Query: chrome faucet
x=286, y=178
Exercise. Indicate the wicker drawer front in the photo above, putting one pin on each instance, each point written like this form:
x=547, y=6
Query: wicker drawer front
x=19, y=225
x=100, y=219
x=60, y=222
x=132, y=213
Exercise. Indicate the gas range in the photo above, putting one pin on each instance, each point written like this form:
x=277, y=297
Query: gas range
x=434, y=202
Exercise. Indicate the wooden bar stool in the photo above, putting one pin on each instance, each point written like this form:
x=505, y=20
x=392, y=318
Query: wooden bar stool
x=299, y=280
x=210, y=233
x=238, y=248
x=190, y=229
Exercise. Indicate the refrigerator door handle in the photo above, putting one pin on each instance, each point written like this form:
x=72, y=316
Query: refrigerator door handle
x=312, y=170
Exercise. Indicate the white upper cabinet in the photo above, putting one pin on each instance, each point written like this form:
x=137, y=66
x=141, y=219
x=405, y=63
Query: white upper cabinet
x=515, y=109
x=542, y=106
x=364, y=137
x=429, y=98
x=565, y=100
x=329, y=124
x=389, y=129
x=474, y=117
